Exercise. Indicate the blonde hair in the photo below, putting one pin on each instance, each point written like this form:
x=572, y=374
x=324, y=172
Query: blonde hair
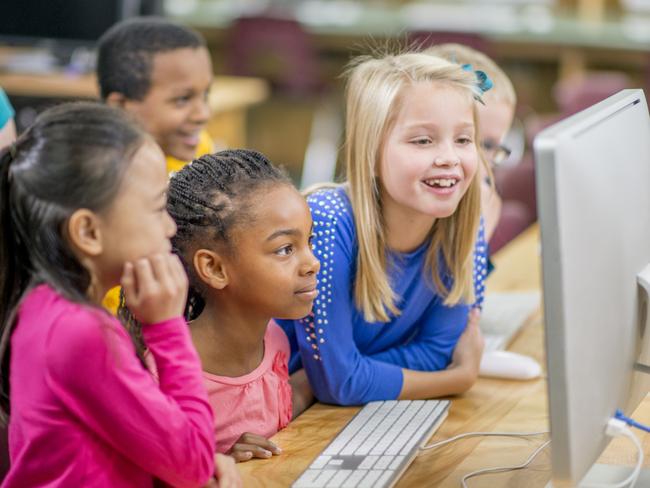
x=373, y=99
x=461, y=54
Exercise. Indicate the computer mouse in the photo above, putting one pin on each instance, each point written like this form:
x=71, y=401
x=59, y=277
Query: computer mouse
x=509, y=365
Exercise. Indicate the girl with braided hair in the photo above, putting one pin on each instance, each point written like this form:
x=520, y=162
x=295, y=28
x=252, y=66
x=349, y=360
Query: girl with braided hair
x=244, y=236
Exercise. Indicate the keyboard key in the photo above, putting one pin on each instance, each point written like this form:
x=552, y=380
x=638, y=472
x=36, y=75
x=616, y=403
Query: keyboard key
x=339, y=478
x=384, y=462
x=307, y=478
x=371, y=477
x=368, y=462
x=320, y=462
x=354, y=478
x=324, y=477
x=395, y=464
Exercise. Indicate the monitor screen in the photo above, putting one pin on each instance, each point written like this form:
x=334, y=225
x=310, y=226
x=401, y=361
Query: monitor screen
x=593, y=190
x=68, y=20
x=80, y=20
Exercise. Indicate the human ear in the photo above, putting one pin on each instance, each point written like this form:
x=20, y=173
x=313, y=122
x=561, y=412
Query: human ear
x=84, y=232
x=116, y=99
x=211, y=268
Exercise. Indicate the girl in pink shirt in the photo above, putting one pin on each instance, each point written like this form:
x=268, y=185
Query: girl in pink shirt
x=83, y=208
x=244, y=235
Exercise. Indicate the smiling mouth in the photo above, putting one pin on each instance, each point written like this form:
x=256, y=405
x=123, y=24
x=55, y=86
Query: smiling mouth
x=441, y=182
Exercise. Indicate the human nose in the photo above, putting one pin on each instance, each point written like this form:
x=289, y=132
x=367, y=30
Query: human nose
x=201, y=112
x=447, y=156
x=311, y=266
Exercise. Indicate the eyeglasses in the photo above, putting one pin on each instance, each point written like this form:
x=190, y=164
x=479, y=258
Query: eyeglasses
x=495, y=153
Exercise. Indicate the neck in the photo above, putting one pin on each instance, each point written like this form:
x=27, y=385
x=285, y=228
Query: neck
x=405, y=229
x=229, y=340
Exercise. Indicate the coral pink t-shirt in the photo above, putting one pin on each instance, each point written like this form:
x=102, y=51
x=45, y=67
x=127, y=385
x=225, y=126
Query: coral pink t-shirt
x=258, y=402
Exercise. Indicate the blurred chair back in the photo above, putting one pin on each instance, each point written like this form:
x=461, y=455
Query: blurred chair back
x=577, y=93
x=277, y=49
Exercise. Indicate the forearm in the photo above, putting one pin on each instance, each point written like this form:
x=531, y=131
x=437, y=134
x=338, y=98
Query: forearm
x=433, y=384
x=302, y=396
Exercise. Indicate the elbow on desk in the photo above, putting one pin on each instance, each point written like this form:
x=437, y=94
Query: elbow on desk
x=346, y=393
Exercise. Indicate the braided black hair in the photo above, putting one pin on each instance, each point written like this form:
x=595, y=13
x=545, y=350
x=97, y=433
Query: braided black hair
x=126, y=50
x=207, y=199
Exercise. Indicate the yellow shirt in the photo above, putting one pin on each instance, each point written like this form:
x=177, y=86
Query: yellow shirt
x=112, y=299
x=204, y=147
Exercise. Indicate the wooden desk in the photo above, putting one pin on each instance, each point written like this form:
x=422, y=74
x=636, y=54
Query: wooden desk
x=491, y=405
x=230, y=97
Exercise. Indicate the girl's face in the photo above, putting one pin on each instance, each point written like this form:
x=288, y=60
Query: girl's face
x=272, y=267
x=429, y=155
x=137, y=224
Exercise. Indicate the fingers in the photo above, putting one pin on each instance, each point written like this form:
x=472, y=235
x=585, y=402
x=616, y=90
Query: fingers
x=155, y=288
x=260, y=441
x=250, y=446
x=227, y=472
x=145, y=277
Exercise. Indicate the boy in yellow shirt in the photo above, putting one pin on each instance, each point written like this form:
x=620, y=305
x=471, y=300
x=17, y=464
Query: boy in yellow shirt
x=161, y=73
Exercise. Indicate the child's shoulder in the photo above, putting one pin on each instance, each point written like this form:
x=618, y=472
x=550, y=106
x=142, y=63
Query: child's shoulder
x=71, y=325
x=330, y=204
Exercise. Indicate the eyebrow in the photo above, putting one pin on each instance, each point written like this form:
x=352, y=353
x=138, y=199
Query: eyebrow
x=418, y=125
x=283, y=232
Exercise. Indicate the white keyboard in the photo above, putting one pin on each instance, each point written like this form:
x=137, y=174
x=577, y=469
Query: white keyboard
x=376, y=446
x=504, y=314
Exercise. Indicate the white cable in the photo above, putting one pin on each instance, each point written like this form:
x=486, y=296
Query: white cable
x=615, y=428
x=502, y=469
x=477, y=434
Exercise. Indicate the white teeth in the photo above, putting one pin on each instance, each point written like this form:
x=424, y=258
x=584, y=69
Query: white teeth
x=443, y=182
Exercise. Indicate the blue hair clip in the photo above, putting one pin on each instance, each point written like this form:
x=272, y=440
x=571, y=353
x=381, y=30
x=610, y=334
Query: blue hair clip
x=483, y=81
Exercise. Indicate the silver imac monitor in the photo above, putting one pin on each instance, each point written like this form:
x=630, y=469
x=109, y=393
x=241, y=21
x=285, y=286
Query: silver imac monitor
x=593, y=191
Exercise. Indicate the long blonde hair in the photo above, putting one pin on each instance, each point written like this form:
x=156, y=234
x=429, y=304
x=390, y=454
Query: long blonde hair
x=373, y=100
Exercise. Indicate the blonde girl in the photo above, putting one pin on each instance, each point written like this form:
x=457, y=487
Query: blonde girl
x=401, y=244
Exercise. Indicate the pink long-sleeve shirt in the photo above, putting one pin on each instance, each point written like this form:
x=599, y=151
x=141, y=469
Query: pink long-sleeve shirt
x=85, y=412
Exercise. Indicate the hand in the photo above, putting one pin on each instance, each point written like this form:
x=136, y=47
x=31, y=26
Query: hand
x=250, y=445
x=226, y=473
x=155, y=288
x=469, y=349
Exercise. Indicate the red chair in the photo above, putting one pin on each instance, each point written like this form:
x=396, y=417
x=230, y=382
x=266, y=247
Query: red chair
x=277, y=49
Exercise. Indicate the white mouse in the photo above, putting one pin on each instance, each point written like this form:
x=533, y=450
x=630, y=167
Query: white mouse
x=510, y=365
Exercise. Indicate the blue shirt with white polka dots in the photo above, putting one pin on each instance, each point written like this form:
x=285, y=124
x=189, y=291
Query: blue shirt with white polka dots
x=350, y=361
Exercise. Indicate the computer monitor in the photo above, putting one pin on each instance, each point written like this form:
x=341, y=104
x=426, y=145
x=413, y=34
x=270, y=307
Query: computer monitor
x=593, y=191
x=66, y=21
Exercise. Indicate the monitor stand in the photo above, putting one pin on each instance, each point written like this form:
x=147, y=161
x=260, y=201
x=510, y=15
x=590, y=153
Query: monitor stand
x=606, y=473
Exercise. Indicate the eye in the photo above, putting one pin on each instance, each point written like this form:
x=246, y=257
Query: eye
x=421, y=141
x=285, y=250
x=180, y=101
x=310, y=241
x=464, y=140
